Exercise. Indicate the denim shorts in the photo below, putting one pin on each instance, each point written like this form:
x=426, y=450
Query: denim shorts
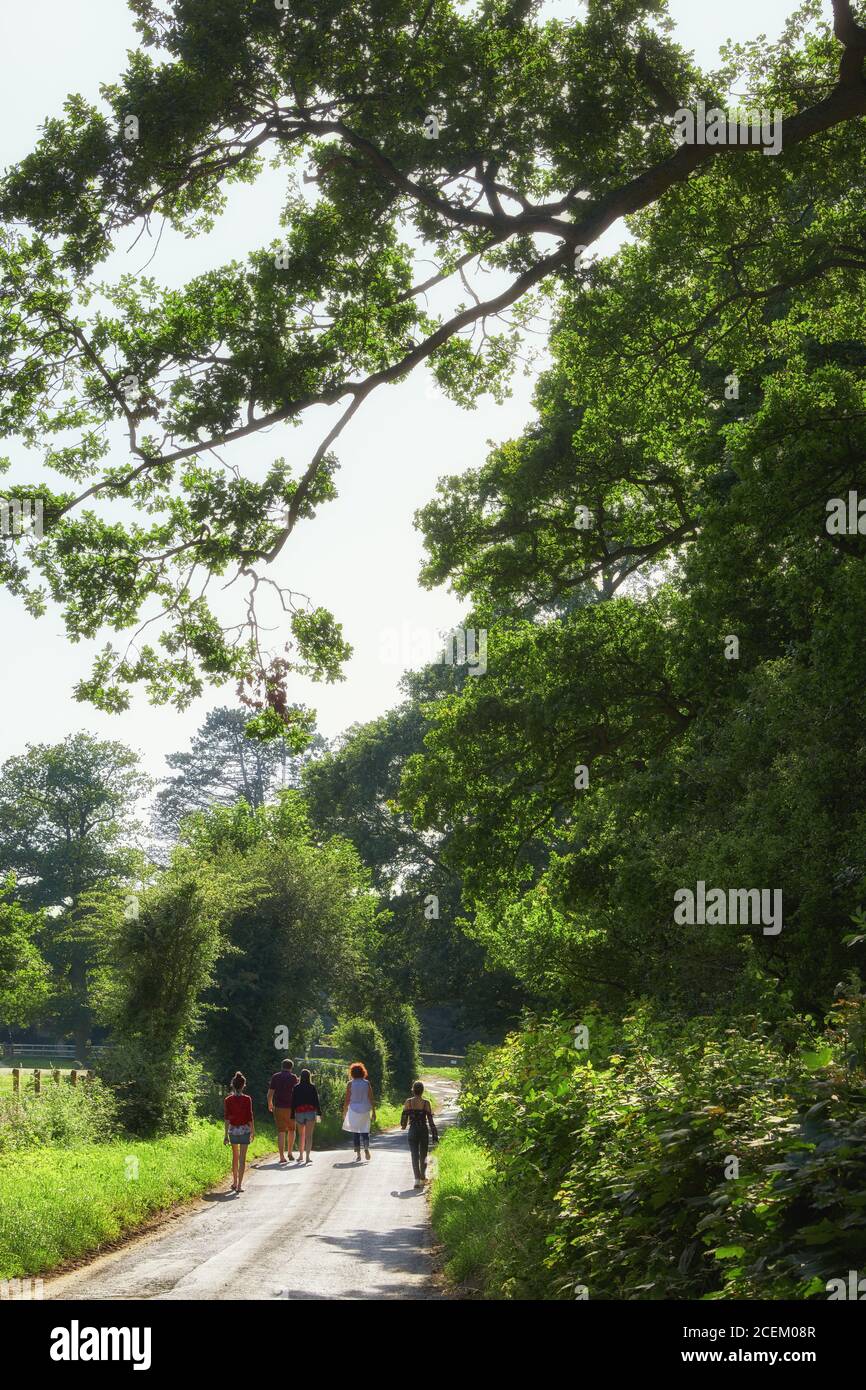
x=239, y=1134
x=305, y=1117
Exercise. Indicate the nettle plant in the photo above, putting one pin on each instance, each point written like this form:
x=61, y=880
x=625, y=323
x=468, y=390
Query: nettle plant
x=138, y=398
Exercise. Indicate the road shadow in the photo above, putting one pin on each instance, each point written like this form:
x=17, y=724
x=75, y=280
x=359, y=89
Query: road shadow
x=219, y=1196
x=400, y=1251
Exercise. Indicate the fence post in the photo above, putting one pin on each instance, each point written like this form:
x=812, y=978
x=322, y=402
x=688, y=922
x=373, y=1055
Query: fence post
x=16, y=1080
x=37, y=1081
x=56, y=1075
x=74, y=1078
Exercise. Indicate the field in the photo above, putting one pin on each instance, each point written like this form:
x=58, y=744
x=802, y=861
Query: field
x=29, y=1063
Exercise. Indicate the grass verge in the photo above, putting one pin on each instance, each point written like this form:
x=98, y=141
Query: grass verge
x=57, y=1204
x=467, y=1207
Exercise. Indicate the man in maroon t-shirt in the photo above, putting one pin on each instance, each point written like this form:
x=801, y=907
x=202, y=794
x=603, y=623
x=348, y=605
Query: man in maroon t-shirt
x=280, y=1093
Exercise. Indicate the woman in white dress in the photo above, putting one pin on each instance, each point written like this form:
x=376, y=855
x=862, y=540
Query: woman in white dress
x=359, y=1108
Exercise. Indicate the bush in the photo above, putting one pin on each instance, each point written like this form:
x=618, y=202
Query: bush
x=159, y=962
x=359, y=1040
x=156, y=1092
x=696, y=1161
x=402, y=1035
x=61, y=1116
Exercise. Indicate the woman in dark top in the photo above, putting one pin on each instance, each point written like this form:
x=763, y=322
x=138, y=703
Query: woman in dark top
x=240, y=1128
x=305, y=1109
x=418, y=1114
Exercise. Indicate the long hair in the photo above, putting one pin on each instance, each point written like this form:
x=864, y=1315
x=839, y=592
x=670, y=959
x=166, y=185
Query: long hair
x=305, y=1074
x=358, y=1072
x=238, y=1081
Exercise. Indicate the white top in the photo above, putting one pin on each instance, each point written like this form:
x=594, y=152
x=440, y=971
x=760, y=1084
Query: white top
x=359, y=1095
x=357, y=1119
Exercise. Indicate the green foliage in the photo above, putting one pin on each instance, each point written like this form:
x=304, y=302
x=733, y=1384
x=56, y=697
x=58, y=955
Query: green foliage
x=401, y=1034
x=162, y=958
x=623, y=1162
x=224, y=765
x=703, y=409
x=62, y=1116
x=23, y=972
x=67, y=829
x=299, y=924
x=360, y=1040
x=423, y=954
x=551, y=130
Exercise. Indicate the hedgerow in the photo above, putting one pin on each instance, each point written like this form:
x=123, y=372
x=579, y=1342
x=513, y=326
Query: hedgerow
x=696, y=1160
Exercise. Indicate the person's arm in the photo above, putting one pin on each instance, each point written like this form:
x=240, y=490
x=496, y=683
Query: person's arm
x=404, y=1118
x=271, y=1100
x=372, y=1101
x=226, y=1120
x=252, y=1120
x=346, y=1095
x=434, y=1133
x=318, y=1106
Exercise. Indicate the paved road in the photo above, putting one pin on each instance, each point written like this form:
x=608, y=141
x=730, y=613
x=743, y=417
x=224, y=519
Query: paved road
x=336, y=1229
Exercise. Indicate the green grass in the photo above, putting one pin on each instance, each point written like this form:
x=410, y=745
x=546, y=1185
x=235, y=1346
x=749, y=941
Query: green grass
x=467, y=1206
x=56, y=1204
x=447, y=1073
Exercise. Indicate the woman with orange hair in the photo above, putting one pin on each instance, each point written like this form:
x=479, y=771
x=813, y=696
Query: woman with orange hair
x=359, y=1108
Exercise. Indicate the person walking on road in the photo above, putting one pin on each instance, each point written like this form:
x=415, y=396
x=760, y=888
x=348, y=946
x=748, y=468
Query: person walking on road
x=305, y=1109
x=418, y=1114
x=240, y=1128
x=359, y=1108
x=280, y=1092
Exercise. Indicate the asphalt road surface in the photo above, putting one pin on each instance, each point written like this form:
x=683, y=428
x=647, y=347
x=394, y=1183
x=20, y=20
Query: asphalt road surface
x=336, y=1229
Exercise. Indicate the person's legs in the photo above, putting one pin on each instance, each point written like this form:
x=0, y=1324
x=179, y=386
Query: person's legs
x=413, y=1149
x=366, y=1139
x=234, y=1167
x=290, y=1138
x=281, y=1140
x=309, y=1127
x=242, y=1163
x=423, y=1144
x=356, y=1140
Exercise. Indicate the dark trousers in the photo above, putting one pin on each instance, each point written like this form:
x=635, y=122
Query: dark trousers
x=357, y=1138
x=418, y=1144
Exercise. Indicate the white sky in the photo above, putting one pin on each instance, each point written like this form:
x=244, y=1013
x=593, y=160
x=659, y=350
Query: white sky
x=361, y=555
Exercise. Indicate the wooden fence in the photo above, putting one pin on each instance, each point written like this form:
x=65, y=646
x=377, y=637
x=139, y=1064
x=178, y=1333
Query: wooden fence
x=41, y=1074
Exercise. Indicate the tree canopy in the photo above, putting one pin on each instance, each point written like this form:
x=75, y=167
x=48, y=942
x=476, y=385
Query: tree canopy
x=669, y=609
x=223, y=765
x=545, y=133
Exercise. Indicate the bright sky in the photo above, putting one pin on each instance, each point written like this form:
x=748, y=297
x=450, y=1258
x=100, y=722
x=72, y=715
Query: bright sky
x=361, y=555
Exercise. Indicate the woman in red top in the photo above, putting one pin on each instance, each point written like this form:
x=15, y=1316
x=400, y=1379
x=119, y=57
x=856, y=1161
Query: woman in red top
x=240, y=1127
